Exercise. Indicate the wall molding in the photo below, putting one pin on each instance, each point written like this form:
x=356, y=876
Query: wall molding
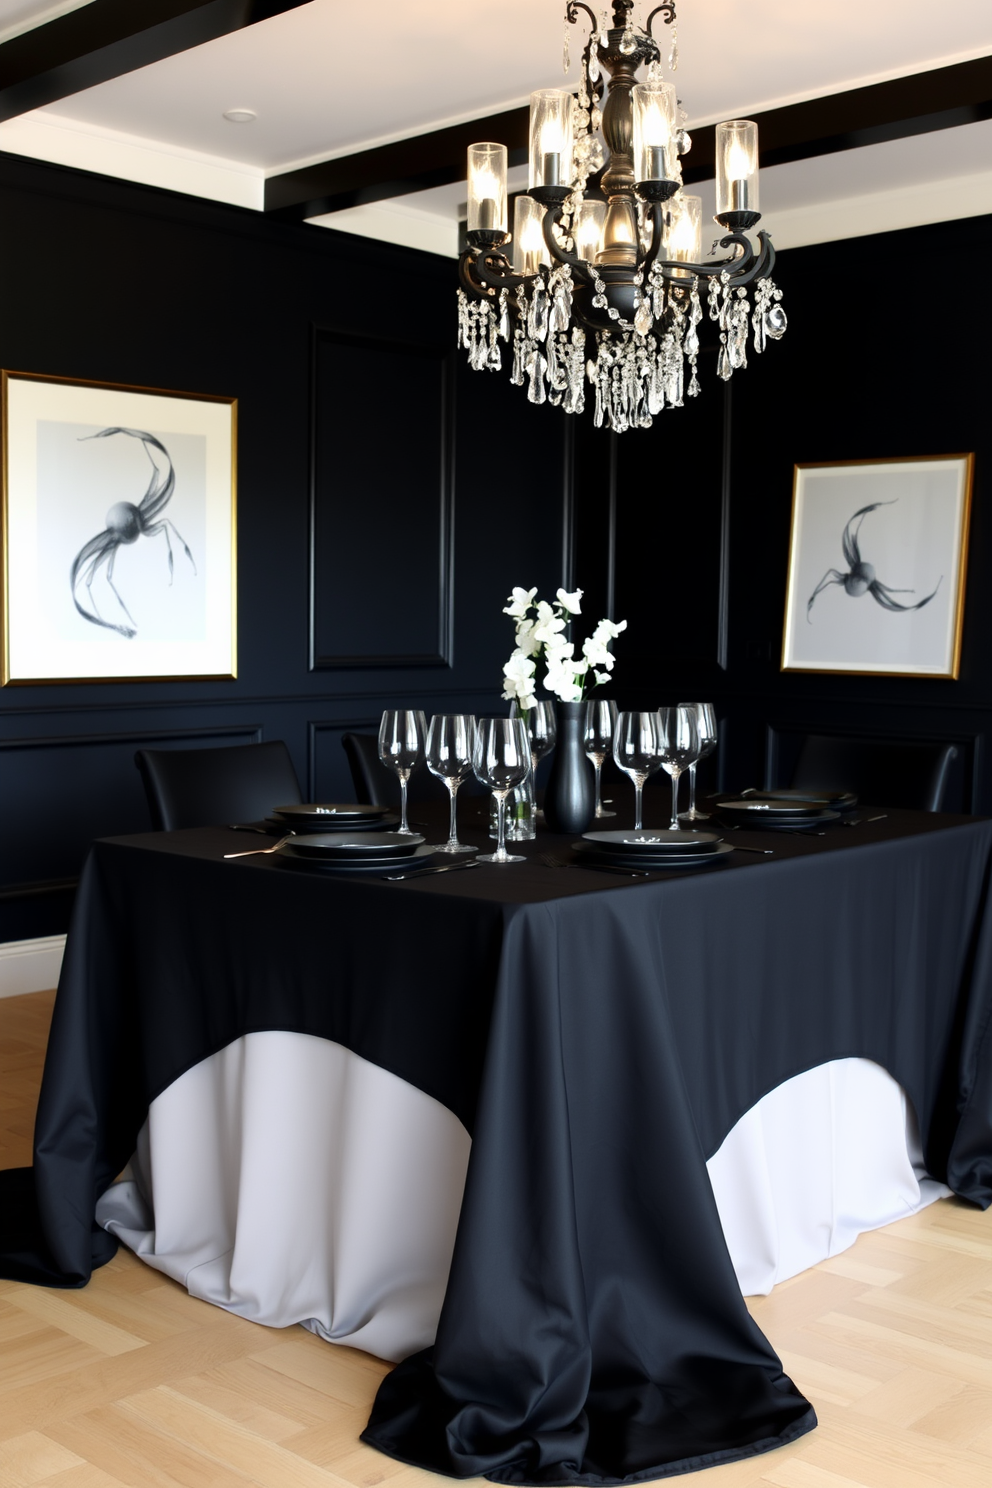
x=316, y=727
x=30, y=965
x=428, y=351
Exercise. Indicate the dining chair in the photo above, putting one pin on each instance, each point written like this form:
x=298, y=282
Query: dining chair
x=881, y=772
x=375, y=783
x=207, y=787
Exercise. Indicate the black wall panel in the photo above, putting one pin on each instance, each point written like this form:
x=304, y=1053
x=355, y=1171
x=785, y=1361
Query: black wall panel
x=374, y=499
x=453, y=496
x=879, y=360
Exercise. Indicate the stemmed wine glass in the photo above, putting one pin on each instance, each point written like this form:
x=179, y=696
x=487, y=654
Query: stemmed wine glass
x=601, y=723
x=450, y=740
x=637, y=750
x=706, y=723
x=679, y=734
x=542, y=728
x=501, y=760
x=401, y=746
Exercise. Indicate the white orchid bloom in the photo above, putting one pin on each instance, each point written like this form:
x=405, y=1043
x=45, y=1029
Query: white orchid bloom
x=519, y=602
x=607, y=630
x=549, y=626
x=570, y=602
x=520, y=667
x=526, y=639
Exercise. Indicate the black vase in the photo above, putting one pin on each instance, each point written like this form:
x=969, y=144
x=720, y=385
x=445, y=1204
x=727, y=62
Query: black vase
x=570, y=797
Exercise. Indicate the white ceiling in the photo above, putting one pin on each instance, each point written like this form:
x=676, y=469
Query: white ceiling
x=320, y=87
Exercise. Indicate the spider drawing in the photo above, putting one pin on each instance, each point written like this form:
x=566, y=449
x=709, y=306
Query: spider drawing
x=125, y=524
x=860, y=577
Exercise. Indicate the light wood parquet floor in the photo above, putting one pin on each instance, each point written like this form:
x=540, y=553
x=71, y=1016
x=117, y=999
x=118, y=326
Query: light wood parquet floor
x=132, y=1382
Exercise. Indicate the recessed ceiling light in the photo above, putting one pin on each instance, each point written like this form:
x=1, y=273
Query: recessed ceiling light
x=240, y=116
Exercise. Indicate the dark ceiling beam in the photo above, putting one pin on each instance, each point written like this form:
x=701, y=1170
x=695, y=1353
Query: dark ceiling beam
x=108, y=38
x=919, y=104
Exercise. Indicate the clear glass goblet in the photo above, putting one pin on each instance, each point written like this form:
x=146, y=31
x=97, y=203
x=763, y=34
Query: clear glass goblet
x=450, y=741
x=501, y=760
x=679, y=736
x=601, y=722
x=706, y=723
x=542, y=728
x=637, y=750
x=401, y=746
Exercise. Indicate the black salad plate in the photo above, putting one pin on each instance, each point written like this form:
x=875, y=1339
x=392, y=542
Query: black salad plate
x=666, y=862
x=364, y=846
x=835, y=799
x=406, y=862
x=769, y=810
x=656, y=842
x=760, y=823
x=326, y=824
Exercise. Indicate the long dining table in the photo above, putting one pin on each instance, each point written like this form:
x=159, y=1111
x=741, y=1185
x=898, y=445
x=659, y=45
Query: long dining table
x=589, y=1040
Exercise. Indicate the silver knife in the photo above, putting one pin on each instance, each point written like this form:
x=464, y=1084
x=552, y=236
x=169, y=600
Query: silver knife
x=423, y=872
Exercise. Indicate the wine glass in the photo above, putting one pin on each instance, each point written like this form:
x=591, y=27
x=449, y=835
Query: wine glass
x=601, y=722
x=637, y=750
x=401, y=746
x=706, y=723
x=450, y=739
x=542, y=727
x=501, y=760
x=679, y=733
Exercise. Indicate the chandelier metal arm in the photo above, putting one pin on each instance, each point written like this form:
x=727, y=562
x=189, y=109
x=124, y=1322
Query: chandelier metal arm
x=668, y=9
x=552, y=219
x=502, y=278
x=657, y=236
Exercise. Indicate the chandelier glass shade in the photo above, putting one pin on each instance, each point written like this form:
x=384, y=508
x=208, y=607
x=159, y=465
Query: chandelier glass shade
x=598, y=284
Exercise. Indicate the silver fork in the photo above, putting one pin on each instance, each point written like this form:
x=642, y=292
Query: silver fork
x=254, y=852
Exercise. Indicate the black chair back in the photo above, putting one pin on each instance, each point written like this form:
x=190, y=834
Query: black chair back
x=210, y=787
x=376, y=784
x=881, y=772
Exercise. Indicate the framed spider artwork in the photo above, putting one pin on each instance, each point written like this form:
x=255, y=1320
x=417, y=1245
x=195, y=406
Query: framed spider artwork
x=119, y=530
x=877, y=566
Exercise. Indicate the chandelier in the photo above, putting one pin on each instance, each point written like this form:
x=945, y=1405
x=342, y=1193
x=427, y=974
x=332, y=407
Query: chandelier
x=603, y=286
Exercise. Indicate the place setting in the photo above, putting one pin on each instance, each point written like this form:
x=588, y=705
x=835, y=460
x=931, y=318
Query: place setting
x=771, y=813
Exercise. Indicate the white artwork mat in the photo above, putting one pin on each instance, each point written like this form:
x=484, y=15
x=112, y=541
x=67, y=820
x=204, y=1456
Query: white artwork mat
x=76, y=492
x=897, y=609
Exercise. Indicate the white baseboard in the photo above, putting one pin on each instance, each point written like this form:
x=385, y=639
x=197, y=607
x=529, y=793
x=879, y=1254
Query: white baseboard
x=30, y=965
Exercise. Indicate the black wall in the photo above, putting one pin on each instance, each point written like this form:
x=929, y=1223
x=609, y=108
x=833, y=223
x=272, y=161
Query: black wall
x=435, y=489
x=340, y=353
x=886, y=355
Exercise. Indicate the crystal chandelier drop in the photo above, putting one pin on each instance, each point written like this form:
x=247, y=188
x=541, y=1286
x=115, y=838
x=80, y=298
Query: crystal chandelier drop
x=604, y=285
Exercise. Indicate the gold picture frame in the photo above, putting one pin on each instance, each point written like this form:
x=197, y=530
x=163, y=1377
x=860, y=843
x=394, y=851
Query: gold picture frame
x=893, y=531
x=152, y=597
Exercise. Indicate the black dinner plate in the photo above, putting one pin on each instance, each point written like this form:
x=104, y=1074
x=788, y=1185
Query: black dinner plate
x=787, y=823
x=407, y=862
x=828, y=799
x=304, y=828
x=336, y=810
x=656, y=842
x=770, y=810
x=365, y=846
x=665, y=863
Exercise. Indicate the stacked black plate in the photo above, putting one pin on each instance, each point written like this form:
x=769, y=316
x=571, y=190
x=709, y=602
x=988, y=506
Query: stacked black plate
x=357, y=852
x=772, y=813
x=334, y=816
x=832, y=800
x=652, y=849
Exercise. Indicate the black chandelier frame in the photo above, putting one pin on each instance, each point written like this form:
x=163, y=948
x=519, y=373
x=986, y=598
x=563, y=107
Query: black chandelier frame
x=484, y=268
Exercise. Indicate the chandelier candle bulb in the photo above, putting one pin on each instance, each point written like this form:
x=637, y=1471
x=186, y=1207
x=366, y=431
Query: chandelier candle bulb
x=587, y=229
x=550, y=138
x=487, y=190
x=654, y=117
x=529, y=248
x=684, y=236
x=736, y=167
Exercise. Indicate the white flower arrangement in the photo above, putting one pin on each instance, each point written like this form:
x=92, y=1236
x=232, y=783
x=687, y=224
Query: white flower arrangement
x=540, y=628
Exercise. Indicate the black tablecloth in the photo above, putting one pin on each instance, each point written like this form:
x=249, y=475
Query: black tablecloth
x=599, y=1037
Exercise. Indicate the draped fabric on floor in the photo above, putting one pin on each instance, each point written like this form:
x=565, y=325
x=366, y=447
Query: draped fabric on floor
x=593, y=1330
x=289, y=1181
